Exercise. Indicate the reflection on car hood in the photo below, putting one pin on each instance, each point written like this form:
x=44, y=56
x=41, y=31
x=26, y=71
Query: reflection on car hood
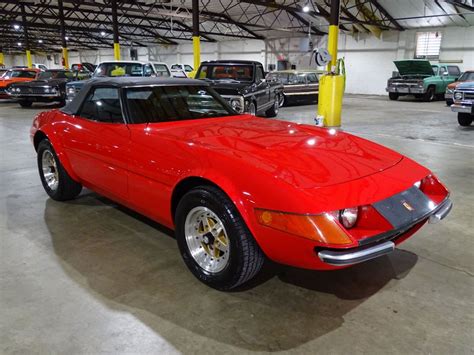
x=301, y=155
x=36, y=83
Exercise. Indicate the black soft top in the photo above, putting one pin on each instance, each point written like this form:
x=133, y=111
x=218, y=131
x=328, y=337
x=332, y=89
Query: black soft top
x=233, y=62
x=73, y=107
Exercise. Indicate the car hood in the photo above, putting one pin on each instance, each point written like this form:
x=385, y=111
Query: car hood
x=467, y=85
x=411, y=67
x=301, y=155
x=227, y=87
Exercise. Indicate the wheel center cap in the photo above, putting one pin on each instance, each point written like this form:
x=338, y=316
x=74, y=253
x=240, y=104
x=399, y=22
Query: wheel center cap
x=208, y=238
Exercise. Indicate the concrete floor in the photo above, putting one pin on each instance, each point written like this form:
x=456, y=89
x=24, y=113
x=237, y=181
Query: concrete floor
x=89, y=276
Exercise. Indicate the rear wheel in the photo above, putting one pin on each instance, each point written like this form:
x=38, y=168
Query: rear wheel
x=273, y=111
x=429, y=94
x=56, y=181
x=25, y=103
x=393, y=96
x=214, y=241
x=464, y=119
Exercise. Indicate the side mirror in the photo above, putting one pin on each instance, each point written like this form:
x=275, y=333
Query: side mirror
x=445, y=73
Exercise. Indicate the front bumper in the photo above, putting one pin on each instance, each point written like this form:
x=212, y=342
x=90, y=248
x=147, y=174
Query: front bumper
x=405, y=90
x=382, y=244
x=461, y=107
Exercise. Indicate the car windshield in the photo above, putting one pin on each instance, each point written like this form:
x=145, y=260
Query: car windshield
x=467, y=76
x=119, y=69
x=175, y=103
x=161, y=70
x=20, y=74
x=46, y=75
x=435, y=69
x=226, y=72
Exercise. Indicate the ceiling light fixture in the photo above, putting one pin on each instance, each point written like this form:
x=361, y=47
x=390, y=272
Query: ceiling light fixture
x=103, y=33
x=16, y=26
x=19, y=44
x=306, y=8
x=40, y=41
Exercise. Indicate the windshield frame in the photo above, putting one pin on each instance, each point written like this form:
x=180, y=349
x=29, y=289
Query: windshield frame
x=128, y=117
x=466, y=76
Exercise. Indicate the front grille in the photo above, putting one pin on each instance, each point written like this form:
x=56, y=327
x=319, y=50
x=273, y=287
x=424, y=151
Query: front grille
x=469, y=95
x=32, y=90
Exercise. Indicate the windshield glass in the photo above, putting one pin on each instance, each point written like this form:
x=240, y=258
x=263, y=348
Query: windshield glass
x=435, y=69
x=226, y=72
x=20, y=74
x=46, y=75
x=119, y=69
x=467, y=76
x=175, y=103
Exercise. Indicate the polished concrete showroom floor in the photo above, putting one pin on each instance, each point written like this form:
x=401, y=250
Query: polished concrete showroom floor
x=89, y=276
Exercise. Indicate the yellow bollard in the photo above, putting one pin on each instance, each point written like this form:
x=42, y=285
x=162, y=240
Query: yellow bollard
x=331, y=91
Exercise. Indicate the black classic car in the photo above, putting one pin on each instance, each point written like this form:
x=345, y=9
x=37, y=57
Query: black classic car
x=298, y=85
x=242, y=83
x=49, y=86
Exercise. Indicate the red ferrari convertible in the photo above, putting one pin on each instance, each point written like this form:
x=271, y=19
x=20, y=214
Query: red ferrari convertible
x=236, y=188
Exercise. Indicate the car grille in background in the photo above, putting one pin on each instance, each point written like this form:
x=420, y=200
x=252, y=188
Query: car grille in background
x=31, y=90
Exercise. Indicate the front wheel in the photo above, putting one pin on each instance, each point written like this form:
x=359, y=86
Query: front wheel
x=252, y=109
x=214, y=241
x=393, y=96
x=56, y=181
x=273, y=111
x=429, y=94
x=464, y=119
x=282, y=99
x=25, y=103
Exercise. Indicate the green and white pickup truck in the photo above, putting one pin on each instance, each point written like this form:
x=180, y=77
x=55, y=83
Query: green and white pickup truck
x=421, y=79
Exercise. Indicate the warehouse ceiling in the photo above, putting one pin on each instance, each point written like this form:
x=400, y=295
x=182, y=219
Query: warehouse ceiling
x=169, y=22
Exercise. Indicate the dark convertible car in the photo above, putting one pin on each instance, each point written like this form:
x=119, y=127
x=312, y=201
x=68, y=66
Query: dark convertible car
x=49, y=86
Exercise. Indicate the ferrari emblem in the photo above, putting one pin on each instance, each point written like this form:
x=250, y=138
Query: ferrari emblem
x=407, y=206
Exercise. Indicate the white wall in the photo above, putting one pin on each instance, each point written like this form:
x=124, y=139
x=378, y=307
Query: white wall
x=369, y=60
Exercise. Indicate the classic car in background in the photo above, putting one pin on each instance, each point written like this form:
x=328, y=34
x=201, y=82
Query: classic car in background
x=49, y=86
x=16, y=76
x=468, y=75
x=179, y=69
x=298, y=85
x=113, y=69
x=421, y=79
x=162, y=69
x=242, y=83
x=236, y=188
x=85, y=66
x=464, y=103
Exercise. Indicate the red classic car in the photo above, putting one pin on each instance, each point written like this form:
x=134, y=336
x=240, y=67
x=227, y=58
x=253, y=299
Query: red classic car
x=16, y=75
x=236, y=188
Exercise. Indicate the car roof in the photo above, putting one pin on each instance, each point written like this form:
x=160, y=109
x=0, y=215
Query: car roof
x=302, y=71
x=122, y=61
x=233, y=61
x=124, y=82
x=26, y=69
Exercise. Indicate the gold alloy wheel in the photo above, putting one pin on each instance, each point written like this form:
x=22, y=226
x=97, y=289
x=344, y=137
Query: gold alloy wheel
x=207, y=239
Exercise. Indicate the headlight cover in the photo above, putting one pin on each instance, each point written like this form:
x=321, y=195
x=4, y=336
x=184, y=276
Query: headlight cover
x=71, y=90
x=348, y=217
x=458, y=95
x=321, y=228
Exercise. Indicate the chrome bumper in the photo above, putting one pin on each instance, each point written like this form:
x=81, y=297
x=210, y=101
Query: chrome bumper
x=405, y=90
x=448, y=95
x=461, y=108
x=364, y=253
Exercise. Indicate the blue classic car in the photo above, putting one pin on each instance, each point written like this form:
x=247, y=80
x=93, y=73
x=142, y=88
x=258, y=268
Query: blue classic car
x=464, y=103
x=113, y=69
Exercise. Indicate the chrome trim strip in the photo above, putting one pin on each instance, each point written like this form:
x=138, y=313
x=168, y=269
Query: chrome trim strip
x=301, y=93
x=339, y=258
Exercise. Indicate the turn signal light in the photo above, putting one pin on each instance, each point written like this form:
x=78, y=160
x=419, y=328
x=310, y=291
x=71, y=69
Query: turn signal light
x=322, y=228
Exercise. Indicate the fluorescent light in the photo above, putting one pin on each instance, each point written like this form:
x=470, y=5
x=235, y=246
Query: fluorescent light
x=103, y=33
x=66, y=38
x=19, y=44
x=40, y=41
x=306, y=8
x=16, y=27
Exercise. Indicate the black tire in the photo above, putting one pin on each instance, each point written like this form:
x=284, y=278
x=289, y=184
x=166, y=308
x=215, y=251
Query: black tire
x=464, y=119
x=245, y=257
x=67, y=188
x=429, y=95
x=273, y=111
x=25, y=103
x=252, y=108
x=449, y=102
x=393, y=96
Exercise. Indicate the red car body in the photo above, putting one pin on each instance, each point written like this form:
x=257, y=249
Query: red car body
x=259, y=163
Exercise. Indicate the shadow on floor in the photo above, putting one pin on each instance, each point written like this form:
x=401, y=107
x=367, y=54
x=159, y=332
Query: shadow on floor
x=132, y=264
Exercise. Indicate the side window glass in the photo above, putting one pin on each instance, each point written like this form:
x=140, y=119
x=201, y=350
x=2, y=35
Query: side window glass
x=442, y=70
x=453, y=70
x=148, y=70
x=102, y=105
x=188, y=68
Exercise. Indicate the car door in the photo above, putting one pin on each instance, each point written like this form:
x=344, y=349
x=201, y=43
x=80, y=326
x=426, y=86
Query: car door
x=313, y=83
x=262, y=89
x=444, y=79
x=97, y=143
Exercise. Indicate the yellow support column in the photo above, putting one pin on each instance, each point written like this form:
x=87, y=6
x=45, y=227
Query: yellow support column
x=333, y=37
x=2, y=59
x=65, y=58
x=28, y=59
x=117, y=51
x=197, y=53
